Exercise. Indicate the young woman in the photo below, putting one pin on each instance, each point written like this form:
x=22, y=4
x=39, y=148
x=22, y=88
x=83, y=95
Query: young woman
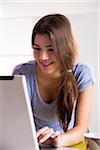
x=58, y=85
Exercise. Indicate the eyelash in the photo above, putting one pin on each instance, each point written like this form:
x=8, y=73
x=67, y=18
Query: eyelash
x=39, y=49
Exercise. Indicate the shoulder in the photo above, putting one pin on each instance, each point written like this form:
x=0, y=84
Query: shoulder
x=27, y=69
x=84, y=75
x=79, y=68
x=24, y=68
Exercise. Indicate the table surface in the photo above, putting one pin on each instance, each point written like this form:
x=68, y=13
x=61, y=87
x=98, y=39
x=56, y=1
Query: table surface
x=59, y=149
x=80, y=146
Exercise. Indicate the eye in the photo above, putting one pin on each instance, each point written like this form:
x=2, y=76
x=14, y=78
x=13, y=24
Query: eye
x=37, y=48
x=50, y=49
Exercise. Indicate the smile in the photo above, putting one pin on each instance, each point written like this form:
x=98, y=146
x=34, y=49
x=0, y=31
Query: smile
x=46, y=64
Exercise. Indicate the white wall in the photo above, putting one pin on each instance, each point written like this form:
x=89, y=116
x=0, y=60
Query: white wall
x=17, y=20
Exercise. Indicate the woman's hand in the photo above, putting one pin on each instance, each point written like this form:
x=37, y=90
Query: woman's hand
x=44, y=134
x=58, y=139
x=47, y=135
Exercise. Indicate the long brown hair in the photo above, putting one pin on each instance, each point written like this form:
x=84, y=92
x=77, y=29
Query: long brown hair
x=58, y=27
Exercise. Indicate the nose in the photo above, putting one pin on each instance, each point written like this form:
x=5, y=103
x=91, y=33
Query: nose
x=44, y=55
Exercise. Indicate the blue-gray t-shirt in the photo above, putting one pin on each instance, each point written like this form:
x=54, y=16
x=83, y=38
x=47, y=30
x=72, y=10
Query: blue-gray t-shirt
x=46, y=114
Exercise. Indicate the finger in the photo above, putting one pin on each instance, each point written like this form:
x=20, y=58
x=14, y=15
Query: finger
x=46, y=135
x=41, y=131
x=56, y=133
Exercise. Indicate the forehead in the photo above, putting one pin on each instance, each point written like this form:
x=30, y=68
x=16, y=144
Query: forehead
x=42, y=39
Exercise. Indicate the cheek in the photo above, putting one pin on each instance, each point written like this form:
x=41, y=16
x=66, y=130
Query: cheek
x=35, y=55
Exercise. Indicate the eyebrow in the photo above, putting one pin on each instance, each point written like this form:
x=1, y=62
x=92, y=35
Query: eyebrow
x=45, y=46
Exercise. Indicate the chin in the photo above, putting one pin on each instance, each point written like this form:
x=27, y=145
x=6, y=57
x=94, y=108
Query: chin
x=50, y=70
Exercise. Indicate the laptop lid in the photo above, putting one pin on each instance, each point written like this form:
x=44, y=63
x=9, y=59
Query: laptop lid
x=17, y=129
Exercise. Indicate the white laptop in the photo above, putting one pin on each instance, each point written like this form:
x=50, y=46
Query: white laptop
x=17, y=128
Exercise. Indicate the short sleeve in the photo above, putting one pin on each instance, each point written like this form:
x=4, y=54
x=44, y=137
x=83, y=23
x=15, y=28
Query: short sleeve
x=26, y=69
x=84, y=76
x=18, y=70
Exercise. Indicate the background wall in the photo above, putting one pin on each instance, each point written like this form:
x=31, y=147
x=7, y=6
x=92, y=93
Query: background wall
x=17, y=19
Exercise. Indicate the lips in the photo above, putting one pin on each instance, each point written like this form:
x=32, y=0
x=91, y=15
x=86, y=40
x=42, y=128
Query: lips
x=46, y=64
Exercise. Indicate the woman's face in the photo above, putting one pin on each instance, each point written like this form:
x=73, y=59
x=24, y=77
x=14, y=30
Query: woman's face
x=45, y=55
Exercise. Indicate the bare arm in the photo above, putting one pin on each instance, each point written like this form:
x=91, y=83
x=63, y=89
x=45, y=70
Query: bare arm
x=83, y=113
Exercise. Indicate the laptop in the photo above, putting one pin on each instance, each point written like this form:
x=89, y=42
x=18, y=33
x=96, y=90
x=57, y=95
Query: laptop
x=17, y=127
